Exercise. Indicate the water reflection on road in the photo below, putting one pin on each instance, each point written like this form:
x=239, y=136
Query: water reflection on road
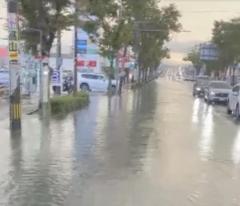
x=153, y=146
x=207, y=133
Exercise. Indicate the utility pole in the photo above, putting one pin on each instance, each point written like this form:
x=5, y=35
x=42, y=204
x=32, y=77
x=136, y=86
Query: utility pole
x=14, y=66
x=59, y=50
x=118, y=71
x=44, y=84
x=75, y=48
x=58, y=59
x=136, y=50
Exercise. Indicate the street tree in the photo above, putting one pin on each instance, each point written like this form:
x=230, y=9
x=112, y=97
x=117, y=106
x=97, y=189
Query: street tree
x=111, y=29
x=194, y=57
x=154, y=33
x=212, y=66
x=142, y=25
x=226, y=35
x=49, y=16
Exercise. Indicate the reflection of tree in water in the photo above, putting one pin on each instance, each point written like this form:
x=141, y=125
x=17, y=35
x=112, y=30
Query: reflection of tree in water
x=142, y=122
x=40, y=175
x=223, y=141
x=35, y=182
x=128, y=132
x=85, y=122
x=15, y=168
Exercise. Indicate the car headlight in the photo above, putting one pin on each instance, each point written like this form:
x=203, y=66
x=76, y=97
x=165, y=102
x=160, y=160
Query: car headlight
x=212, y=93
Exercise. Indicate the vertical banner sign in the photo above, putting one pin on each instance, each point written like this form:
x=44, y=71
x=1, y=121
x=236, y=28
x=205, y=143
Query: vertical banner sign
x=87, y=52
x=14, y=66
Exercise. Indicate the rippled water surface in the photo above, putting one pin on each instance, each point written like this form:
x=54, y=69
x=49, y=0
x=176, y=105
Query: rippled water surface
x=154, y=146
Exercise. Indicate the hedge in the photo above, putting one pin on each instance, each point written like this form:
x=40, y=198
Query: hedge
x=65, y=104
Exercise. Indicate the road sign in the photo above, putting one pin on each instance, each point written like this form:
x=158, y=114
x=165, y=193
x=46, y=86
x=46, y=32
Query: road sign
x=56, y=79
x=208, y=52
x=13, y=55
x=82, y=50
x=81, y=43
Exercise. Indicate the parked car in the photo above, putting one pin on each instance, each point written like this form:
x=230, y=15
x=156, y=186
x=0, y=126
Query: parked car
x=200, y=85
x=217, y=91
x=234, y=101
x=94, y=82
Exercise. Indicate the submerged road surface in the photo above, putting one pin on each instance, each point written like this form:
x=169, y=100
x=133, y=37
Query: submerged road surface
x=155, y=146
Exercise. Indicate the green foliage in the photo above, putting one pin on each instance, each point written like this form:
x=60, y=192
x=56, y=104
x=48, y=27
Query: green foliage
x=65, y=104
x=114, y=25
x=120, y=25
x=159, y=24
x=49, y=16
x=226, y=35
x=211, y=66
x=194, y=57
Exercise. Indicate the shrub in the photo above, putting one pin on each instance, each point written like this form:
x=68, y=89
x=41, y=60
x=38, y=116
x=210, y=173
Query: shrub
x=65, y=104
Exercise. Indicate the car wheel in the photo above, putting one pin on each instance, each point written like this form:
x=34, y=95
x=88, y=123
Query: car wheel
x=84, y=87
x=237, y=113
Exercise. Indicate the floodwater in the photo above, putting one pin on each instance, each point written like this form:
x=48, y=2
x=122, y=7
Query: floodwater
x=154, y=146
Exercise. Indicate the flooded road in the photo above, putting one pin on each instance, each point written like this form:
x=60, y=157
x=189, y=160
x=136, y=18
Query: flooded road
x=154, y=146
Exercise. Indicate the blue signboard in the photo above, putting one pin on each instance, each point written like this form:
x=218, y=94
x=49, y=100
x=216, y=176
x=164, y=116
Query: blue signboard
x=209, y=52
x=81, y=44
x=82, y=50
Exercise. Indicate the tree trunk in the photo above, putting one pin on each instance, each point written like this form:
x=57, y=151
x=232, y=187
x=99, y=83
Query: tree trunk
x=109, y=75
x=146, y=75
x=139, y=74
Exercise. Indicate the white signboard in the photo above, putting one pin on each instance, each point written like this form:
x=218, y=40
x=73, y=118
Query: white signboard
x=56, y=79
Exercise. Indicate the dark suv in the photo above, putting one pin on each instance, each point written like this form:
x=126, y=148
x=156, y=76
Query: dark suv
x=200, y=85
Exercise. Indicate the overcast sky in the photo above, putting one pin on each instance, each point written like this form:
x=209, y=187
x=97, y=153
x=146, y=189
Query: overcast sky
x=198, y=17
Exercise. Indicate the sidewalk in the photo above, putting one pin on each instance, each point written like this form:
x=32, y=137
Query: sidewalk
x=29, y=104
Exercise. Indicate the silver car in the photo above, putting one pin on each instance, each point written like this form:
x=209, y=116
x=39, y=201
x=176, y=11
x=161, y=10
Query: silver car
x=217, y=91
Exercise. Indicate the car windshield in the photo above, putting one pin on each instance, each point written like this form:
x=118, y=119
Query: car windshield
x=219, y=85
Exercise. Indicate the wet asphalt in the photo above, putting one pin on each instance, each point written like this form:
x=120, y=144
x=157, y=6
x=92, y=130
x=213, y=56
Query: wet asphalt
x=154, y=146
